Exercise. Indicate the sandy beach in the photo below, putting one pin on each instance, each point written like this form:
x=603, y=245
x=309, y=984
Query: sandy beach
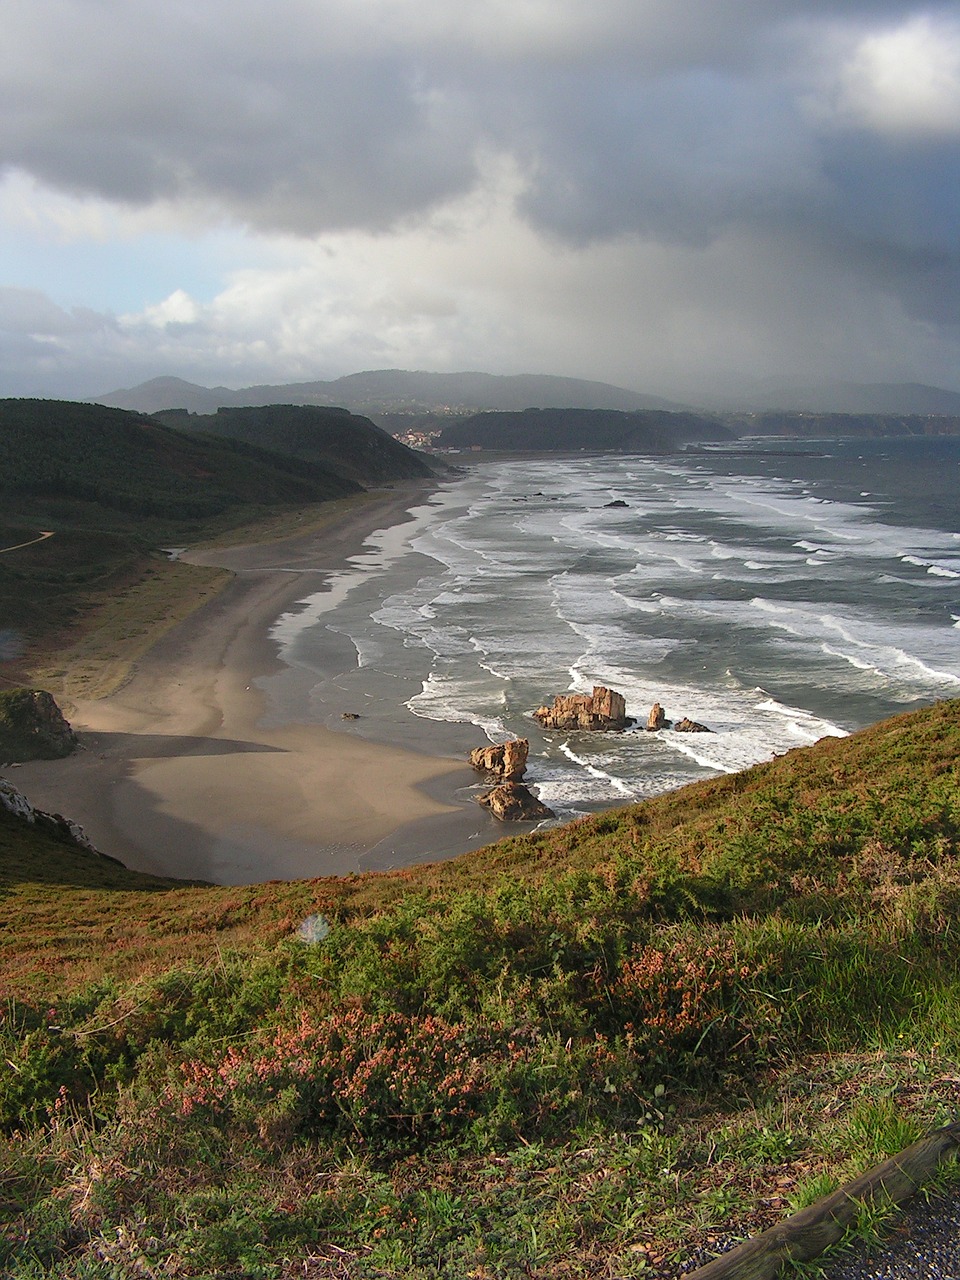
x=178, y=776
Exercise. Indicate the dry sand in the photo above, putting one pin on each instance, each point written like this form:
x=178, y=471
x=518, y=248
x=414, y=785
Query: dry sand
x=176, y=776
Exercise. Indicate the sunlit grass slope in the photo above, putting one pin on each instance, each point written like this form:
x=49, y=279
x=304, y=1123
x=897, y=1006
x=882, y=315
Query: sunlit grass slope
x=580, y=1052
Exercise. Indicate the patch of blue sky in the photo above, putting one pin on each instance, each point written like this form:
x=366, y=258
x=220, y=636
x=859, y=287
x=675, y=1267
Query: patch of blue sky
x=118, y=276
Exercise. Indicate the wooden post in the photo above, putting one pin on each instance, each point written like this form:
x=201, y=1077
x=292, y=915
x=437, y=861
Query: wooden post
x=806, y=1234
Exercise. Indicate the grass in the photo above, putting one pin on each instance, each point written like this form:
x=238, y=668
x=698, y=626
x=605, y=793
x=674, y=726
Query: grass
x=117, y=629
x=594, y=1051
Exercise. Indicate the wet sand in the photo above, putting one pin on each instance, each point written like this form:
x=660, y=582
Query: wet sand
x=178, y=776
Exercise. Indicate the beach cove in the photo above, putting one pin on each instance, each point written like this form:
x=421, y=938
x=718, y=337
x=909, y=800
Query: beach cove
x=315, y=718
x=180, y=775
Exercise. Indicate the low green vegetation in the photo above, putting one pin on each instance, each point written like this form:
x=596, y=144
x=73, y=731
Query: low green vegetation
x=346, y=442
x=56, y=454
x=593, y=1051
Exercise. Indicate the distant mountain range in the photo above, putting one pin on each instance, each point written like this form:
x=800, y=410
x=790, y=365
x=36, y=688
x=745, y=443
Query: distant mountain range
x=381, y=392
x=393, y=391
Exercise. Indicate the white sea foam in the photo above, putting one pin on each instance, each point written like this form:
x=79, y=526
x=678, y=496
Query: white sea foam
x=445, y=700
x=803, y=723
x=616, y=785
x=697, y=592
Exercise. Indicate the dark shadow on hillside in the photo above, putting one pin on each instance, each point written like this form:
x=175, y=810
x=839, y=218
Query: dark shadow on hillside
x=35, y=855
x=163, y=746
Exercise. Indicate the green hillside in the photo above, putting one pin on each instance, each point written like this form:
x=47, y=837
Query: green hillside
x=109, y=488
x=57, y=453
x=566, y=430
x=346, y=442
x=588, y=1051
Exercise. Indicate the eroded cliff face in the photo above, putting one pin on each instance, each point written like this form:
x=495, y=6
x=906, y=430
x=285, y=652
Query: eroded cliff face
x=15, y=802
x=603, y=709
x=32, y=727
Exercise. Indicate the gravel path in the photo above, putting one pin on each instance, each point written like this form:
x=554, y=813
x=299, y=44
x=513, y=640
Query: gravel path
x=923, y=1245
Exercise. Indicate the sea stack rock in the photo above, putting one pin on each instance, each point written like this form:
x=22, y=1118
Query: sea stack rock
x=32, y=727
x=506, y=761
x=690, y=726
x=603, y=709
x=513, y=802
x=656, y=719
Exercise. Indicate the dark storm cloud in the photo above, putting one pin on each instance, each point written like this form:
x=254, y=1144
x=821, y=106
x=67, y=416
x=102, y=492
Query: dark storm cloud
x=825, y=136
x=659, y=118
x=273, y=125
x=678, y=158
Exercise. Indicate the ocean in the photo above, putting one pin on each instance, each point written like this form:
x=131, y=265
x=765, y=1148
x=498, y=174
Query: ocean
x=774, y=591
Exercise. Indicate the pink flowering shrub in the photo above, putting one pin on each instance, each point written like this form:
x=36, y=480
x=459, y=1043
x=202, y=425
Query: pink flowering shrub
x=368, y=1072
x=395, y=1079
x=669, y=999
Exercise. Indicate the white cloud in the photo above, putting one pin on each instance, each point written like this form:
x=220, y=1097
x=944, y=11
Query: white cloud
x=478, y=287
x=31, y=313
x=177, y=310
x=905, y=81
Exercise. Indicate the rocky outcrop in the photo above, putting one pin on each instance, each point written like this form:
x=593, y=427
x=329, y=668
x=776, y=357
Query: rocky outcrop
x=15, y=802
x=513, y=802
x=657, y=719
x=603, y=709
x=506, y=761
x=32, y=727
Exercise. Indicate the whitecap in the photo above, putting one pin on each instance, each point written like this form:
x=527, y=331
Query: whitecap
x=615, y=784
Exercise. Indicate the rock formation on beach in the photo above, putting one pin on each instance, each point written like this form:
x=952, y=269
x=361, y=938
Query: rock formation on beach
x=603, y=709
x=513, y=802
x=656, y=719
x=32, y=726
x=690, y=726
x=506, y=761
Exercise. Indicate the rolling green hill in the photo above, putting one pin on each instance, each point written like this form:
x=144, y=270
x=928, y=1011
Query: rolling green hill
x=345, y=442
x=587, y=1051
x=123, y=466
x=109, y=487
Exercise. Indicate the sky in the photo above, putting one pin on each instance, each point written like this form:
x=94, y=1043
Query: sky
x=676, y=196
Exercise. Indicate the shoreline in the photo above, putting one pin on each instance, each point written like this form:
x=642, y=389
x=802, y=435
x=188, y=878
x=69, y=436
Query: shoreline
x=178, y=776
